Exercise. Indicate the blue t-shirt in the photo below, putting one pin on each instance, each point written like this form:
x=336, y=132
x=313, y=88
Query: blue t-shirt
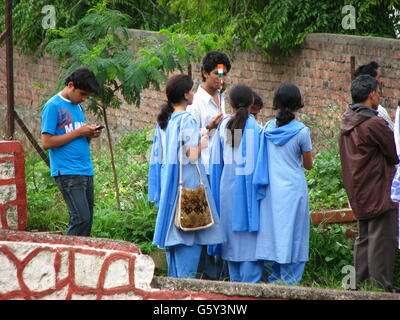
x=60, y=116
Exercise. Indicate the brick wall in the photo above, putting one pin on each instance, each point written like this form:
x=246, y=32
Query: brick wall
x=320, y=67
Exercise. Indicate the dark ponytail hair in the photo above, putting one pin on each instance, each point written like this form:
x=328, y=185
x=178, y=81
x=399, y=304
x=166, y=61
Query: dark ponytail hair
x=163, y=117
x=287, y=100
x=176, y=87
x=241, y=98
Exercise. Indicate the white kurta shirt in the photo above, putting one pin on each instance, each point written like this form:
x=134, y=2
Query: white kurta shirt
x=385, y=115
x=204, y=109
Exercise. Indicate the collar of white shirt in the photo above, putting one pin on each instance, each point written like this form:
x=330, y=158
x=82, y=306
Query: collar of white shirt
x=206, y=98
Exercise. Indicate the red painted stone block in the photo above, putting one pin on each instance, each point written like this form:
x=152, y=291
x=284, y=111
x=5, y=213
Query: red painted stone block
x=333, y=216
x=12, y=152
x=45, y=266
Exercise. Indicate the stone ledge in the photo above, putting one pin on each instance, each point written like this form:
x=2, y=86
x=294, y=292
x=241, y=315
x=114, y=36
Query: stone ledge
x=267, y=291
x=362, y=41
x=56, y=239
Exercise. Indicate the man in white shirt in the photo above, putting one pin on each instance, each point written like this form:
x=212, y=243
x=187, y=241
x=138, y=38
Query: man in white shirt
x=372, y=69
x=209, y=101
x=209, y=108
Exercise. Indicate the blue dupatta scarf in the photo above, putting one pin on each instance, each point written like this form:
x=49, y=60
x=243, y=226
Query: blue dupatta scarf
x=165, y=197
x=245, y=216
x=154, y=176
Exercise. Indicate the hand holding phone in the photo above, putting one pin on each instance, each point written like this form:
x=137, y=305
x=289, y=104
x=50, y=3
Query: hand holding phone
x=99, y=128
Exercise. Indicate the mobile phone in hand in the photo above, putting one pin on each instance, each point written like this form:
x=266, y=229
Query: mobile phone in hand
x=99, y=128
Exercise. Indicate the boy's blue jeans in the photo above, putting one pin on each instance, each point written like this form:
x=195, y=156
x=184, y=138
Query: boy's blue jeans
x=78, y=193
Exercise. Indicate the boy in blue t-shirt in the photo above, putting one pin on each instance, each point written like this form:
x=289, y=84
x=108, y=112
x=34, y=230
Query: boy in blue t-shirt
x=66, y=135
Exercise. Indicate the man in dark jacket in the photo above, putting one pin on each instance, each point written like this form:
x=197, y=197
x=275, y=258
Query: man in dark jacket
x=368, y=157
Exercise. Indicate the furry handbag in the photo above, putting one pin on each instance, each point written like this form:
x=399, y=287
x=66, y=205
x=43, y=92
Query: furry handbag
x=192, y=208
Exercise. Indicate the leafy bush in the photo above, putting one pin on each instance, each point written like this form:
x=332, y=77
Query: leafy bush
x=280, y=25
x=135, y=222
x=46, y=207
x=29, y=33
x=330, y=251
x=325, y=182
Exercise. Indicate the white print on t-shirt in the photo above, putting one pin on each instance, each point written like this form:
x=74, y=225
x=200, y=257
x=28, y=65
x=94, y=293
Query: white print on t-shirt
x=73, y=126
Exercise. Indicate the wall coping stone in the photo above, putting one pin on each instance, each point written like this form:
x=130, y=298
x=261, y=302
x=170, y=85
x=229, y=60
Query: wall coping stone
x=267, y=291
x=345, y=39
x=55, y=239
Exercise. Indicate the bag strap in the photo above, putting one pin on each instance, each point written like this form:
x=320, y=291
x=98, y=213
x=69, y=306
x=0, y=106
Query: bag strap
x=181, y=156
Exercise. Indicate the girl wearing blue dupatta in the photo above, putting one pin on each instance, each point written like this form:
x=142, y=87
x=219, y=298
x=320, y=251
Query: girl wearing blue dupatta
x=285, y=148
x=233, y=156
x=183, y=248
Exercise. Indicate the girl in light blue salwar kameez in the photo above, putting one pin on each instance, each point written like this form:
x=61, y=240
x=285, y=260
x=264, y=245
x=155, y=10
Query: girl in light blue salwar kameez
x=283, y=239
x=183, y=248
x=231, y=173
